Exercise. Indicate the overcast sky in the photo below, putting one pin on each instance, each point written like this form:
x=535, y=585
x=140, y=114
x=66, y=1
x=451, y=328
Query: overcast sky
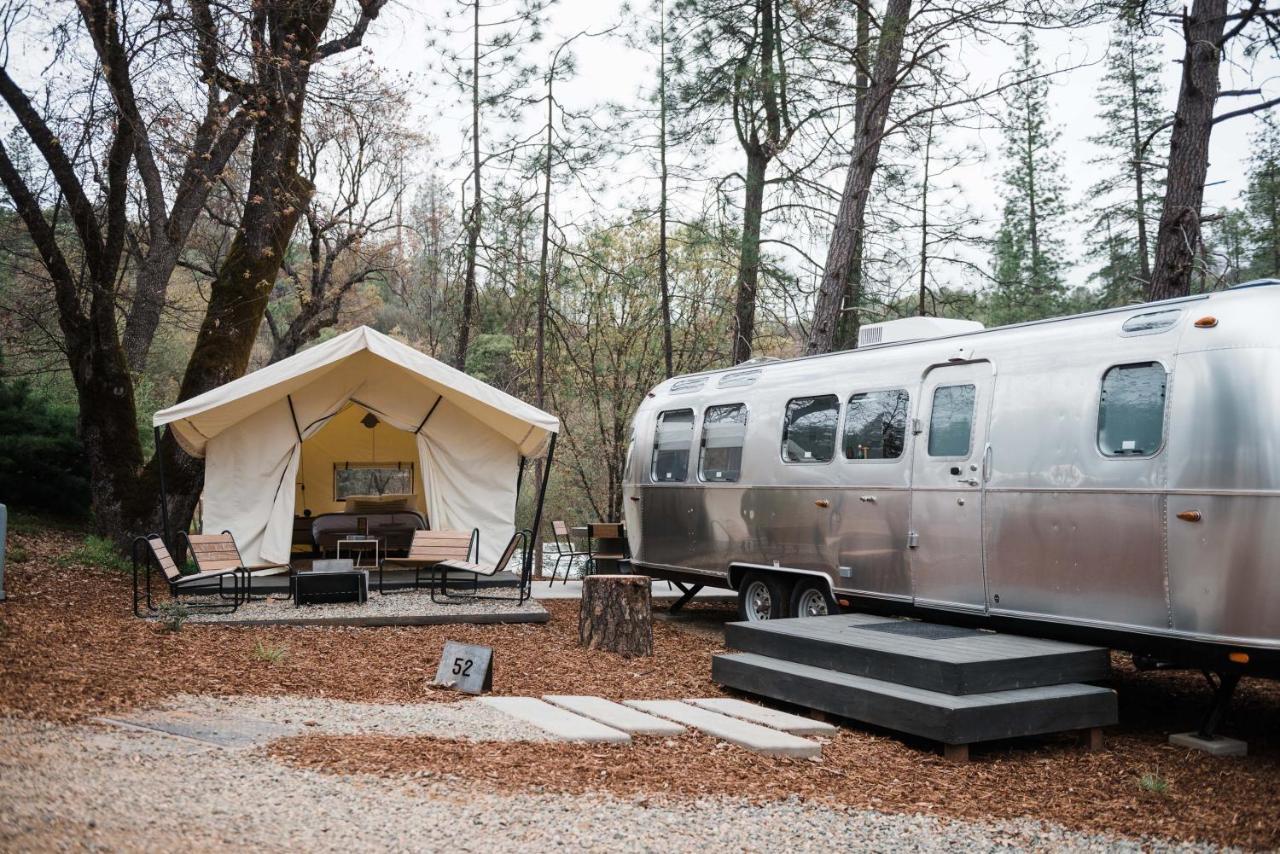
x=609, y=70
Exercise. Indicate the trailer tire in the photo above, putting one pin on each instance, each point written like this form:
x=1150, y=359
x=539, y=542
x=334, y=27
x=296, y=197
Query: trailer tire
x=762, y=596
x=811, y=598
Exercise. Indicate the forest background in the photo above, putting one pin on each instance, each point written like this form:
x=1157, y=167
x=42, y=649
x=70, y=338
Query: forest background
x=575, y=200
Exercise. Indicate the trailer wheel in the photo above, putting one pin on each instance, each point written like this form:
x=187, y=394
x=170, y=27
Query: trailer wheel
x=762, y=596
x=811, y=599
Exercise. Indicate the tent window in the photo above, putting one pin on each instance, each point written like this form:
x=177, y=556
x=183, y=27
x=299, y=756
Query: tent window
x=357, y=479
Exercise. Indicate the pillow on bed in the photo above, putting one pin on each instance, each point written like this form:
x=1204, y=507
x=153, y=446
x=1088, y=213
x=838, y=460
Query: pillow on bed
x=366, y=504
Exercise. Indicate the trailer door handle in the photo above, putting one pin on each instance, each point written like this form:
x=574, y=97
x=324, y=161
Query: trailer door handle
x=970, y=481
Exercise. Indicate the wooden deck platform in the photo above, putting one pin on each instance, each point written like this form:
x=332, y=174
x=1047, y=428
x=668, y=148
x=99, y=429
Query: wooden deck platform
x=931, y=656
x=954, y=685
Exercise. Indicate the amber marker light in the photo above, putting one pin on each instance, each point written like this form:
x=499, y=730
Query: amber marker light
x=1206, y=323
x=1190, y=516
x=1239, y=657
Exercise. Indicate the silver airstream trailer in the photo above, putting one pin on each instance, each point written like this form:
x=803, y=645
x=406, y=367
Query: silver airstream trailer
x=1112, y=477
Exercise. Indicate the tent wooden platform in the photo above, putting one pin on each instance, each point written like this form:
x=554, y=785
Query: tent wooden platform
x=273, y=606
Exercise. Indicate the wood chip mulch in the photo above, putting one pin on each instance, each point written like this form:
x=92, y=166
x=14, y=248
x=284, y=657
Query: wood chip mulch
x=70, y=648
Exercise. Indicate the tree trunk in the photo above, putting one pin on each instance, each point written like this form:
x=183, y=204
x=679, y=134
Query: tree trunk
x=846, y=336
x=1179, y=234
x=853, y=201
x=664, y=284
x=744, y=309
x=473, y=220
x=1140, y=193
x=616, y=614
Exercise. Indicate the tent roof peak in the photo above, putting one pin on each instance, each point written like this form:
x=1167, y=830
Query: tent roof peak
x=404, y=377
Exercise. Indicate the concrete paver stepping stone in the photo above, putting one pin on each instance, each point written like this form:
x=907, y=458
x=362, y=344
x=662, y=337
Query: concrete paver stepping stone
x=753, y=737
x=561, y=723
x=228, y=731
x=615, y=715
x=765, y=716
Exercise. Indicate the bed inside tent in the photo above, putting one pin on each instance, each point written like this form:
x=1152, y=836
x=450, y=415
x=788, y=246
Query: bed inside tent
x=358, y=475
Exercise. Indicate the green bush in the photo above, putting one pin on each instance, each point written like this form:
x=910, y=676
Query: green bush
x=173, y=614
x=42, y=463
x=270, y=654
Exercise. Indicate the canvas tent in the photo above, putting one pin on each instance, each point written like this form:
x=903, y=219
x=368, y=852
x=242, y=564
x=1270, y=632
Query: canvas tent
x=256, y=432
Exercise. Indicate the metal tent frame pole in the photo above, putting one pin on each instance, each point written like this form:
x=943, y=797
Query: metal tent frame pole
x=535, y=541
x=164, y=493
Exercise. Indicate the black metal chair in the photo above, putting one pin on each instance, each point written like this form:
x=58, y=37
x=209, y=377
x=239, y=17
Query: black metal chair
x=150, y=552
x=523, y=539
x=564, y=550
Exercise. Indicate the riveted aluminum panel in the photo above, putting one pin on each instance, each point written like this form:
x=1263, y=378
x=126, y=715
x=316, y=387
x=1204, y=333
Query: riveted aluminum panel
x=1224, y=570
x=1093, y=555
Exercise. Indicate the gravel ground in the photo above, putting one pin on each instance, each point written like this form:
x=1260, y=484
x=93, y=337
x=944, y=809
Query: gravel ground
x=105, y=788
x=281, y=607
x=287, y=715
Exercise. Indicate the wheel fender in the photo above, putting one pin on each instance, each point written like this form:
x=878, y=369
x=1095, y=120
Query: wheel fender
x=738, y=570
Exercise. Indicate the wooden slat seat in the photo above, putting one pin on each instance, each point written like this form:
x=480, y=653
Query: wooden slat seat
x=157, y=554
x=432, y=548
x=487, y=570
x=219, y=553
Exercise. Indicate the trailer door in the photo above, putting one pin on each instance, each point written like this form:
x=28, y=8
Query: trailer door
x=947, y=488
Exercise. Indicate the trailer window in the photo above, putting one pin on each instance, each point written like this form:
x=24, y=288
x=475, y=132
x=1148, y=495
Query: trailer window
x=723, y=430
x=951, y=422
x=809, y=432
x=671, y=443
x=1131, y=410
x=875, y=425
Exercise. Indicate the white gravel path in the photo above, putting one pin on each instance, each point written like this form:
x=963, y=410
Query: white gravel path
x=87, y=787
x=286, y=715
x=416, y=604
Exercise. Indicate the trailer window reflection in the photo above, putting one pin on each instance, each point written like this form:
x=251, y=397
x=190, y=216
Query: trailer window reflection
x=671, y=443
x=809, y=432
x=723, y=431
x=1131, y=410
x=951, y=422
x=875, y=425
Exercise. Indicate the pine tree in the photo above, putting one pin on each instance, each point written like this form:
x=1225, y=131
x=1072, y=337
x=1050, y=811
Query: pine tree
x=1126, y=213
x=1028, y=251
x=1262, y=201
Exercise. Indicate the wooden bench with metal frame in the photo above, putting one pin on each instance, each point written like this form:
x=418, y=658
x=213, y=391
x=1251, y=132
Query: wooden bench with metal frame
x=519, y=538
x=154, y=554
x=429, y=549
x=216, y=552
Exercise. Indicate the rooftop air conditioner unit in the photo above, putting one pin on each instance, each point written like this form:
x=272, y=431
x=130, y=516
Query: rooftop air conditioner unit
x=914, y=329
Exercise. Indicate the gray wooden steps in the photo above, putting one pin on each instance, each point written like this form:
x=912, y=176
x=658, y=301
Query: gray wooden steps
x=931, y=656
x=948, y=718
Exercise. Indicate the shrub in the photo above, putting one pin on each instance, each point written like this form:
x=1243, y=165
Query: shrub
x=173, y=614
x=270, y=654
x=1154, y=783
x=97, y=552
x=42, y=463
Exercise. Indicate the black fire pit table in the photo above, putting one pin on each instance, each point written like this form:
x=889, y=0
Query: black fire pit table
x=330, y=581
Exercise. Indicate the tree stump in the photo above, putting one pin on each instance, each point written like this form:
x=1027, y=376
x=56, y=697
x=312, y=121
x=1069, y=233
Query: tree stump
x=616, y=614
